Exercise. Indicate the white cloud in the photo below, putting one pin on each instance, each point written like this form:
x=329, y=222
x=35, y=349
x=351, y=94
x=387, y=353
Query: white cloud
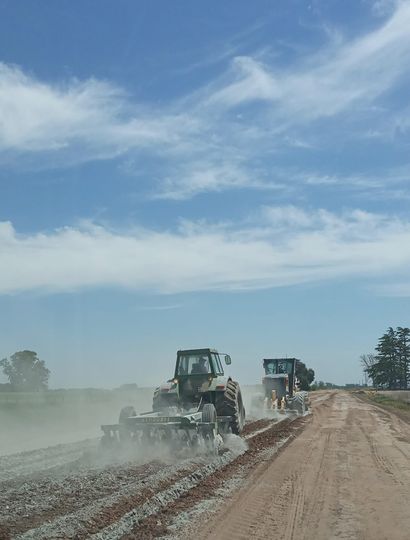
x=381, y=8
x=202, y=177
x=327, y=84
x=288, y=216
x=288, y=246
x=386, y=183
x=93, y=116
x=197, y=139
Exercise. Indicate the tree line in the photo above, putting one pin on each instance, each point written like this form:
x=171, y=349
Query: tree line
x=27, y=373
x=389, y=366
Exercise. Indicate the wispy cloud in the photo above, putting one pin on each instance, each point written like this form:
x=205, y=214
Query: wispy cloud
x=389, y=183
x=165, y=307
x=257, y=110
x=288, y=246
x=328, y=83
x=201, y=177
x=379, y=178
x=95, y=117
x=382, y=8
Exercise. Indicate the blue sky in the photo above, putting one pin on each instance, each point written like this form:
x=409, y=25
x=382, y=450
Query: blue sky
x=182, y=174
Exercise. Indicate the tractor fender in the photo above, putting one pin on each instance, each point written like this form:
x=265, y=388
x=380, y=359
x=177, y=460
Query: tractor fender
x=219, y=384
x=167, y=388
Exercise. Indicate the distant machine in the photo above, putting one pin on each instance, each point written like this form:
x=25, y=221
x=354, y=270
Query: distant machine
x=281, y=388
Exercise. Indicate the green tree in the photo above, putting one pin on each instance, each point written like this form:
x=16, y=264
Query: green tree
x=25, y=371
x=390, y=366
x=384, y=370
x=306, y=376
x=403, y=355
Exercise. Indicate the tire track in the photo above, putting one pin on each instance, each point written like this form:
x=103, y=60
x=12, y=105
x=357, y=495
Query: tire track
x=297, y=507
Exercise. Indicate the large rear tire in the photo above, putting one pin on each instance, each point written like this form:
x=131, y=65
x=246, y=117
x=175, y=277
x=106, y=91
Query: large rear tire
x=232, y=405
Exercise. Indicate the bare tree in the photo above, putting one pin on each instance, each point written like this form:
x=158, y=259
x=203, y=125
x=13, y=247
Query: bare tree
x=367, y=361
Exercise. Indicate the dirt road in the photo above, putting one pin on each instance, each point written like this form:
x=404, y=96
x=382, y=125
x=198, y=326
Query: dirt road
x=347, y=475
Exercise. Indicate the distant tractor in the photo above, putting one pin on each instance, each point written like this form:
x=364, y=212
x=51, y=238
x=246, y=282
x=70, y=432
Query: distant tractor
x=194, y=409
x=281, y=387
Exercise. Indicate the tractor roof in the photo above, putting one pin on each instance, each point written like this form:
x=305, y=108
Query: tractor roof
x=266, y=360
x=197, y=351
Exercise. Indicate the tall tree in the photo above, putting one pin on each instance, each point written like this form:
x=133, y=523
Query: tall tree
x=25, y=371
x=390, y=366
x=387, y=359
x=403, y=353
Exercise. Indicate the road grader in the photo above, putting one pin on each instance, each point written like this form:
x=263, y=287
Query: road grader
x=195, y=409
x=281, y=391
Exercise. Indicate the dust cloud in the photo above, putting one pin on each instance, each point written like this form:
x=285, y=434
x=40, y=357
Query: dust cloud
x=235, y=444
x=66, y=417
x=252, y=396
x=62, y=417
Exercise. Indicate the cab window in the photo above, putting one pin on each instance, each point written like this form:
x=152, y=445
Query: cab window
x=217, y=363
x=193, y=365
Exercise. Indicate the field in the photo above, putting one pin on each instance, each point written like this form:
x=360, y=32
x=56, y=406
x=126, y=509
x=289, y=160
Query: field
x=397, y=395
x=342, y=471
x=37, y=419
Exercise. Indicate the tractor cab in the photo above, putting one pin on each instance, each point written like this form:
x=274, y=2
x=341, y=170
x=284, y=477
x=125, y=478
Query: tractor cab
x=279, y=376
x=198, y=377
x=196, y=371
x=200, y=362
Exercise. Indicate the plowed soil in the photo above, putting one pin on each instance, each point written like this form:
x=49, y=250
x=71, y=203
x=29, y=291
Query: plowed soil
x=75, y=491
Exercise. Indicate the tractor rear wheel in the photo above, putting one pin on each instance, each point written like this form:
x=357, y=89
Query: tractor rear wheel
x=232, y=405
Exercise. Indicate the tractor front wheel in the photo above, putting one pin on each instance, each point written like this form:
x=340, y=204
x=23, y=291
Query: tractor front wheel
x=209, y=413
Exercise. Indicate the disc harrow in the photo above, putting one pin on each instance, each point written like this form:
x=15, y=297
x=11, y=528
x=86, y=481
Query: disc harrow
x=196, y=431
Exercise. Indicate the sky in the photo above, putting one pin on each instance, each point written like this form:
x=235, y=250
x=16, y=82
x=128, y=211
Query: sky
x=202, y=174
